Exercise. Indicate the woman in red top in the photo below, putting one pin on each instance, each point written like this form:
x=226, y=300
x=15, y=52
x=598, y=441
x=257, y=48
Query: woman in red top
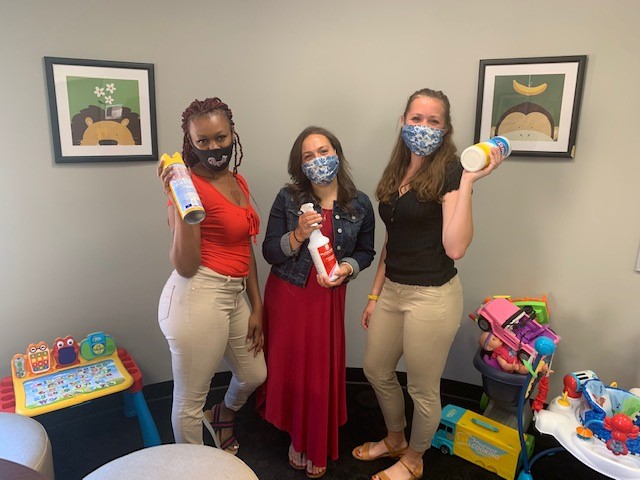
x=202, y=311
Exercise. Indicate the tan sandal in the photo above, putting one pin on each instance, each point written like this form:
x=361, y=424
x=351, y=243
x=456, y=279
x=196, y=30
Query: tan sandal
x=414, y=472
x=317, y=474
x=364, y=452
x=294, y=465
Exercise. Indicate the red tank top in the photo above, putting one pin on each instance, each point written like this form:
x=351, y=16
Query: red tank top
x=227, y=229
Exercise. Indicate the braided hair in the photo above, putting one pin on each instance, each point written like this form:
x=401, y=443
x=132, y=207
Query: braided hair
x=200, y=108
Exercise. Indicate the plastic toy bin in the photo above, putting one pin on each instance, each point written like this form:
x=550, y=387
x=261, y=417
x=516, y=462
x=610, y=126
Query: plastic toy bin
x=503, y=390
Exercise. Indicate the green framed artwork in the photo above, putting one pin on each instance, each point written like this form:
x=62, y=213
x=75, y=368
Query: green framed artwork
x=101, y=111
x=534, y=102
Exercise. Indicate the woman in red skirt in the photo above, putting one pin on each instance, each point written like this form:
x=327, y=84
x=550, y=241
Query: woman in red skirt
x=303, y=323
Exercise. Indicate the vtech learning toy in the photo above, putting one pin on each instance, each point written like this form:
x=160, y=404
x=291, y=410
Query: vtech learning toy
x=46, y=379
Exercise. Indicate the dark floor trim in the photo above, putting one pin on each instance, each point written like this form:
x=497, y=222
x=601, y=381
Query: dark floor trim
x=157, y=391
x=448, y=388
x=163, y=390
x=451, y=388
x=451, y=391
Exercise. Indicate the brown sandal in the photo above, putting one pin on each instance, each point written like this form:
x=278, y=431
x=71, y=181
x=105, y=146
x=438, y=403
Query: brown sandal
x=317, y=474
x=294, y=465
x=415, y=473
x=364, y=453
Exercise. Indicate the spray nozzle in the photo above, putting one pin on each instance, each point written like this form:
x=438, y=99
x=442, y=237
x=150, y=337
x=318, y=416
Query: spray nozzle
x=308, y=207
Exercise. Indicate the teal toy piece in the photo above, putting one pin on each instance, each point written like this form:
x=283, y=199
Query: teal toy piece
x=97, y=344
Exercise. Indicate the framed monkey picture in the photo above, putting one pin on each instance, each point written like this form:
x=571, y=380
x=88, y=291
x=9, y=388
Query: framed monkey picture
x=534, y=102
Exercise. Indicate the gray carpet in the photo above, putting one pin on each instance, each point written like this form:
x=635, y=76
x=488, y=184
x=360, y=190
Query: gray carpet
x=90, y=435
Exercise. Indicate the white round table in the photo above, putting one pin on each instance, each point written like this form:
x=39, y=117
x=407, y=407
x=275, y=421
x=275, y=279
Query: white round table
x=175, y=461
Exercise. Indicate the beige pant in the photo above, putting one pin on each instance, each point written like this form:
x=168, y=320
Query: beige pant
x=205, y=319
x=419, y=323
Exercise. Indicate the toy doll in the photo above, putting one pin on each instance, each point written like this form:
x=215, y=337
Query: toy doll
x=505, y=356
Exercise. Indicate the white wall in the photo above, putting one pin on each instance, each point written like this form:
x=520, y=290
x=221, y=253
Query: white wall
x=77, y=257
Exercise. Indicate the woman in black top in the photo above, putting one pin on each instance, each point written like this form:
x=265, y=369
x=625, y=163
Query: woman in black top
x=416, y=302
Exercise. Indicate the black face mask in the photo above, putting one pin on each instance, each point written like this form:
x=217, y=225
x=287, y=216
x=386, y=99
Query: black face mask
x=216, y=160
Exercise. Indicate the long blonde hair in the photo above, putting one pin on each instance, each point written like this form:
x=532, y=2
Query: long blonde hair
x=429, y=179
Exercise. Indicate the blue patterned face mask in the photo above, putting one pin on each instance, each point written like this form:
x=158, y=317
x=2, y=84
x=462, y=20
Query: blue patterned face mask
x=422, y=139
x=321, y=170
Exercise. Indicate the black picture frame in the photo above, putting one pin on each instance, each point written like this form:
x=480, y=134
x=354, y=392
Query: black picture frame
x=101, y=111
x=546, y=127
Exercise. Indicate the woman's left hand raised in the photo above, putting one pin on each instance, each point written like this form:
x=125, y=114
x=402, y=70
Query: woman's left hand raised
x=343, y=271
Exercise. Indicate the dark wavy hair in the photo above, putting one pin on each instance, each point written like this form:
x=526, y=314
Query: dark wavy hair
x=201, y=108
x=428, y=181
x=301, y=189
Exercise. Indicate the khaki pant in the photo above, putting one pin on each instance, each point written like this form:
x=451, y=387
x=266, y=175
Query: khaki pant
x=205, y=319
x=419, y=323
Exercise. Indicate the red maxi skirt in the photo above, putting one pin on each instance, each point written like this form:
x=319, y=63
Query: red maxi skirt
x=304, y=394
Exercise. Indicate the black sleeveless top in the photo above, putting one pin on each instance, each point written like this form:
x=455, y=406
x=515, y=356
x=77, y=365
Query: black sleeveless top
x=415, y=254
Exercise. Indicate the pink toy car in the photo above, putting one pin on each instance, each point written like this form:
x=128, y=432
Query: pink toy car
x=513, y=326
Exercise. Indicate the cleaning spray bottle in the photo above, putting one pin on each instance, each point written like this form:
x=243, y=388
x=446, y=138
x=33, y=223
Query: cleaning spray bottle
x=185, y=196
x=321, y=250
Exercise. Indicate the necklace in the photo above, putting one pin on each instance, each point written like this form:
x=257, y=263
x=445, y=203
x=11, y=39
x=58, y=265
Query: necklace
x=325, y=213
x=233, y=190
x=236, y=195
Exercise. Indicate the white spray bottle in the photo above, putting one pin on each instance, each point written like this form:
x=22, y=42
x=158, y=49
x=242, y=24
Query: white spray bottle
x=321, y=250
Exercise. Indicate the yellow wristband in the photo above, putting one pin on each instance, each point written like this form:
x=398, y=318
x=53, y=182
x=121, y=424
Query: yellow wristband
x=373, y=297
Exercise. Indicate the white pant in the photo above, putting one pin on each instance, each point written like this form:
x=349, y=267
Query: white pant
x=205, y=319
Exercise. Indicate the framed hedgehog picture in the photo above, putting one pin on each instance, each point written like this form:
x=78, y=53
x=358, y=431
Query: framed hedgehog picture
x=101, y=111
x=534, y=102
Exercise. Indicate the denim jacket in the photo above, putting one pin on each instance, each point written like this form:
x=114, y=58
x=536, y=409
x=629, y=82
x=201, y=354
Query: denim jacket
x=353, y=238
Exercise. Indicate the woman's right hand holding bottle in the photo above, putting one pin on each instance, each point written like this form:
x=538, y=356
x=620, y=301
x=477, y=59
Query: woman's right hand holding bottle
x=307, y=223
x=166, y=175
